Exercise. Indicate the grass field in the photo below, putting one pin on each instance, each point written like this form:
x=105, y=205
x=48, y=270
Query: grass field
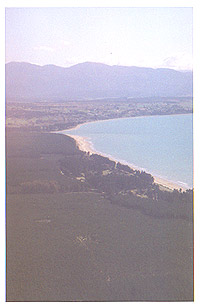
x=78, y=246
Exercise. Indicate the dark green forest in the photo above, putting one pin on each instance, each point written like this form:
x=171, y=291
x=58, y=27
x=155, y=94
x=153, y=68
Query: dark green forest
x=81, y=172
x=81, y=227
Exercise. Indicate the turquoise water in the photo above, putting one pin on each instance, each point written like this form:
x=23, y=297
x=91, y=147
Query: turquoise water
x=160, y=145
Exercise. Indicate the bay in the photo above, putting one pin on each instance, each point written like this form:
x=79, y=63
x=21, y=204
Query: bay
x=160, y=145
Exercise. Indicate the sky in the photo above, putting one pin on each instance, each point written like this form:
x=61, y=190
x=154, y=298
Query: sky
x=149, y=37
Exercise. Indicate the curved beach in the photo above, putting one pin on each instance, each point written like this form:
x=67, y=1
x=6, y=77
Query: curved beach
x=85, y=145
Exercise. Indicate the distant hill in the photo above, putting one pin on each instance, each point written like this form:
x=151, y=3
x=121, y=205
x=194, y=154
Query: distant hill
x=25, y=81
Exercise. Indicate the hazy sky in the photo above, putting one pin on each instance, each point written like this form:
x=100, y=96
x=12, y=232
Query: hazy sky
x=151, y=37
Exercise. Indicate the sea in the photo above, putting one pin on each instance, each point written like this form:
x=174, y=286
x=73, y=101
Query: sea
x=160, y=145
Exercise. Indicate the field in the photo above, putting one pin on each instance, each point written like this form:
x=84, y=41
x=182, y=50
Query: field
x=48, y=116
x=70, y=242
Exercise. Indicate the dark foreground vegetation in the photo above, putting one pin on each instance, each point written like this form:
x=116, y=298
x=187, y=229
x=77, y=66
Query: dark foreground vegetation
x=82, y=228
x=120, y=184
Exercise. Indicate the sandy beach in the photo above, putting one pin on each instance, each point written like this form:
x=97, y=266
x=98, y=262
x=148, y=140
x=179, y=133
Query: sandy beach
x=85, y=145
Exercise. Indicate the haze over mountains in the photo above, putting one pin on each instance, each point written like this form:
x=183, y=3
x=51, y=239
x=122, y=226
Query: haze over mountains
x=30, y=82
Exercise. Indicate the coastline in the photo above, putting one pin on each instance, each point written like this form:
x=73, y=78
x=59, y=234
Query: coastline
x=113, y=119
x=85, y=145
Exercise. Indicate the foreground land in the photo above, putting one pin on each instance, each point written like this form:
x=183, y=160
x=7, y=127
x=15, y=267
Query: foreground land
x=83, y=228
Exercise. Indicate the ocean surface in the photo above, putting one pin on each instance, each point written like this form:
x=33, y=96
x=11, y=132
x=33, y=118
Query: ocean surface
x=160, y=145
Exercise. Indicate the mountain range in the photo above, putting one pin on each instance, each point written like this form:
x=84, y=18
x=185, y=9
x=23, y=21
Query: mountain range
x=89, y=80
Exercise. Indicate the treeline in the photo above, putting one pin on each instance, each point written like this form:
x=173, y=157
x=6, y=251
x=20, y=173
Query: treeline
x=53, y=164
x=104, y=175
x=156, y=208
x=82, y=172
x=132, y=189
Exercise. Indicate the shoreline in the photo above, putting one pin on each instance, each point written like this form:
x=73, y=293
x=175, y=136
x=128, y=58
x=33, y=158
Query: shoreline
x=85, y=145
x=113, y=119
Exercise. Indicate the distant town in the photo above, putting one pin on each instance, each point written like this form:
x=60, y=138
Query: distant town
x=48, y=116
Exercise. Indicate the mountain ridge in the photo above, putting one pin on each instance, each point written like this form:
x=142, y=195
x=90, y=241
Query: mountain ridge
x=98, y=63
x=90, y=80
